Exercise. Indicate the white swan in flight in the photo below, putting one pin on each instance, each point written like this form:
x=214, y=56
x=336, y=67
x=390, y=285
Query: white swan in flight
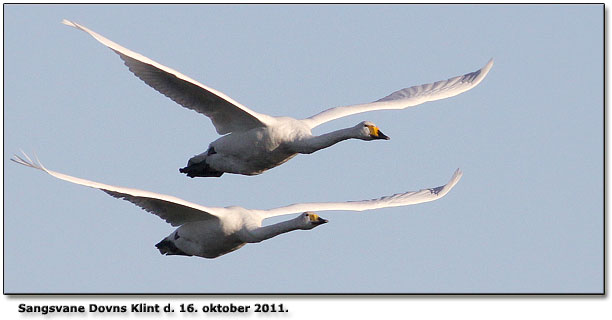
x=210, y=232
x=255, y=142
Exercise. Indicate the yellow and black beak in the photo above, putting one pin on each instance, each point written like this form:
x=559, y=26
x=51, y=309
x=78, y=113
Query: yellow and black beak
x=316, y=220
x=375, y=133
x=320, y=221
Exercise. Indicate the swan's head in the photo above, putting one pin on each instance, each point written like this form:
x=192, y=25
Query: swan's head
x=369, y=131
x=311, y=220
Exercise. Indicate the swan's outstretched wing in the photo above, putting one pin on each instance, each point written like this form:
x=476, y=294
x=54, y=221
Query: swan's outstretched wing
x=396, y=200
x=226, y=114
x=174, y=210
x=407, y=97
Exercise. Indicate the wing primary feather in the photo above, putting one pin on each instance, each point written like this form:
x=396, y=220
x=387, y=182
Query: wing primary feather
x=226, y=114
x=396, y=200
x=173, y=210
x=407, y=97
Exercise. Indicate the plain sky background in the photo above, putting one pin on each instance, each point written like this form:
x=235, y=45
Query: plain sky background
x=527, y=216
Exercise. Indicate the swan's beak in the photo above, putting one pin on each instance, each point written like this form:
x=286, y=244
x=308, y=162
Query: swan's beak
x=319, y=221
x=375, y=133
x=315, y=219
x=380, y=135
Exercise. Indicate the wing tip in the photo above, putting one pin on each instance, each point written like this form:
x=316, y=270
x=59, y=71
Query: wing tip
x=451, y=183
x=69, y=23
x=458, y=173
x=25, y=160
x=478, y=75
x=456, y=176
x=486, y=68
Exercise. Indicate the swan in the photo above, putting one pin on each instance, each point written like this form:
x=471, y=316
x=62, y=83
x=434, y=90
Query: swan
x=210, y=232
x=253, y=142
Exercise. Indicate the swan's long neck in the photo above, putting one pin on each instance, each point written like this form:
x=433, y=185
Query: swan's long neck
x=314, y=143
x=267, y=232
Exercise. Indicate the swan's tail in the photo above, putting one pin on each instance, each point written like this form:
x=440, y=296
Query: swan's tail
x=167, y=247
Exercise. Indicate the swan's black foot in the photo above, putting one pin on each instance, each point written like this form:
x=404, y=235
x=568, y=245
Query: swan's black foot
x=200, y=170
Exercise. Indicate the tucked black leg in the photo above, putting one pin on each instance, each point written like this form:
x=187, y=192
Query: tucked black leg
x=168, y=248
x=200, y=170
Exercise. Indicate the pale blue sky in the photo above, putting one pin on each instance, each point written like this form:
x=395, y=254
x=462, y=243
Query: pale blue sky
x=526, y=217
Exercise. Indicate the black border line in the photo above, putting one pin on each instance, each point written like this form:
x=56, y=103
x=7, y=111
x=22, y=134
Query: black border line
x=290, y=295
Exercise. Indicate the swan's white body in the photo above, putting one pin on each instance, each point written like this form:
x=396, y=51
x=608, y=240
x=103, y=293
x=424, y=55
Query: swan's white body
x=255, y=142
x=213, y=231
